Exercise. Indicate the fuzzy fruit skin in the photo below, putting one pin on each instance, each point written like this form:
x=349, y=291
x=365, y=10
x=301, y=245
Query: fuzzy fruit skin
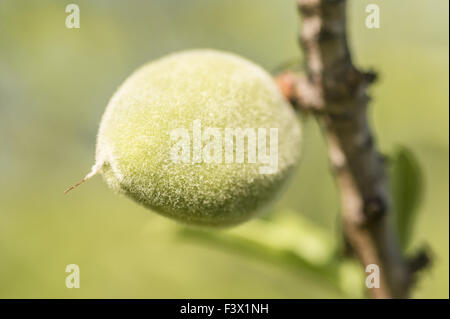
x=222, y=90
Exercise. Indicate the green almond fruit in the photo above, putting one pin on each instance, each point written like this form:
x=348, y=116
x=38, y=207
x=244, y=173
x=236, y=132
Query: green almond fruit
x=201, y=136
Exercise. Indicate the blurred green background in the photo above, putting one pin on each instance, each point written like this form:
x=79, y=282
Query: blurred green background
x=55, y=83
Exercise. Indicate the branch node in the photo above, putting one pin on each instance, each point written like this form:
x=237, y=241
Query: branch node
x=374, y=209
x=370, y=76
x=420, y=260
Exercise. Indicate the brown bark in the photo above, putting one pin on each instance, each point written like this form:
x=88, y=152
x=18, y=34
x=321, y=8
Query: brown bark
x=336, y=91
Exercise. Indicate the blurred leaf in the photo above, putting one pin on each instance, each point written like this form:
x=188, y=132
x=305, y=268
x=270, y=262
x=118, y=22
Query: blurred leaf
x=288, y=240
x=352, y=277
x=407, y=188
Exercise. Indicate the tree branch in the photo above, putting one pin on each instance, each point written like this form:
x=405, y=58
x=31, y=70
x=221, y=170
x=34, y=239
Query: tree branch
x=336, y=91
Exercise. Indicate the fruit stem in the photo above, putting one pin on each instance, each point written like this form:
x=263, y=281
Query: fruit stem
x=95, y=169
